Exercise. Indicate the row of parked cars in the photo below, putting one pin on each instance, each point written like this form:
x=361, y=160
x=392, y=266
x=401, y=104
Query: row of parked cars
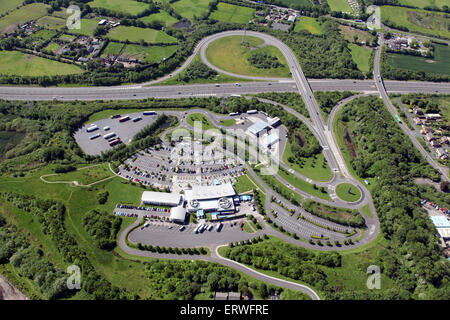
x=124, y=206
x=203, y=227
x=123, y=214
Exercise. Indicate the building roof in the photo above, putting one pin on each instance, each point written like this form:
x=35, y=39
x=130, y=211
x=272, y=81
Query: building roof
x=444, y=232
x=209, y=192
x=177, y=213
x=221, y=296
x=440, y=221
x=258, y=127
x=172, y=199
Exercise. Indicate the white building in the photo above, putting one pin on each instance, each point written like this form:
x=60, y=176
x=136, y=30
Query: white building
x=162, y=198
x=210, y=198
x=177, y=214
x=259, y=128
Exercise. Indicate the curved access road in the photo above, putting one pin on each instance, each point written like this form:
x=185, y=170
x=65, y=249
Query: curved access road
x=384, y=95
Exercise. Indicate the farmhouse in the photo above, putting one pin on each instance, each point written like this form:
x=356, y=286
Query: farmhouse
x=433, y=116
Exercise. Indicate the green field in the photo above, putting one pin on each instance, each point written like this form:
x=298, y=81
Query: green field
x=162, y=16
x=18, y=63
x=342, y=191
x=308, y=23
x=424, y=3
x=231, y=13
x=439, y=65
x=199, y=117
x=190, y=8
x=228, y=122
x=361, y=56
x=219, y=78
x=366, y=210
x=87, y=27
x=83, y=176
x=50, y=22
x=229, y=55
x=243, y=184
x=43, y=34
x=339, y=5
x=27, y=13
x=7, y=5
x=52, y=47
x=126, y=6
x=113, y=48
x=349, y=34
x=135, y=34
x=303, y=185
x=149, y=54
x=311, y=168
x=417, y=20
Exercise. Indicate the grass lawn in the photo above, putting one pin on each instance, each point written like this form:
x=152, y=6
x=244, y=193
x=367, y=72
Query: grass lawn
x=311, y=168
x=198, y=117
x=308, y=23
x=87, y=27
x=228, y=54
x=231, y=13
x=349, y=33
x=150, y=54
x=135, y=34
x=8, y=5
x=247, y=228
x=126, y=6
x=243, y=184
x=113, y=48
x=162, y=16
x=43, y=34
x=439, y=65
x=227, y=122
x=340, y=5
x=284, y=191
x=361, y=56
x=18, y=63
x=52, y=47
x=417, y=20
x=366, y=210
x=50, y=22
x=190, y=8
x=27, y=13
x=342, y=191
x=303, y=185
x=83, y=176
x=219, y=78
x=424, y=3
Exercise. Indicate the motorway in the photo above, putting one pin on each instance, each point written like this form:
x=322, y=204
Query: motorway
x=202, y=90
x=299, y=84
